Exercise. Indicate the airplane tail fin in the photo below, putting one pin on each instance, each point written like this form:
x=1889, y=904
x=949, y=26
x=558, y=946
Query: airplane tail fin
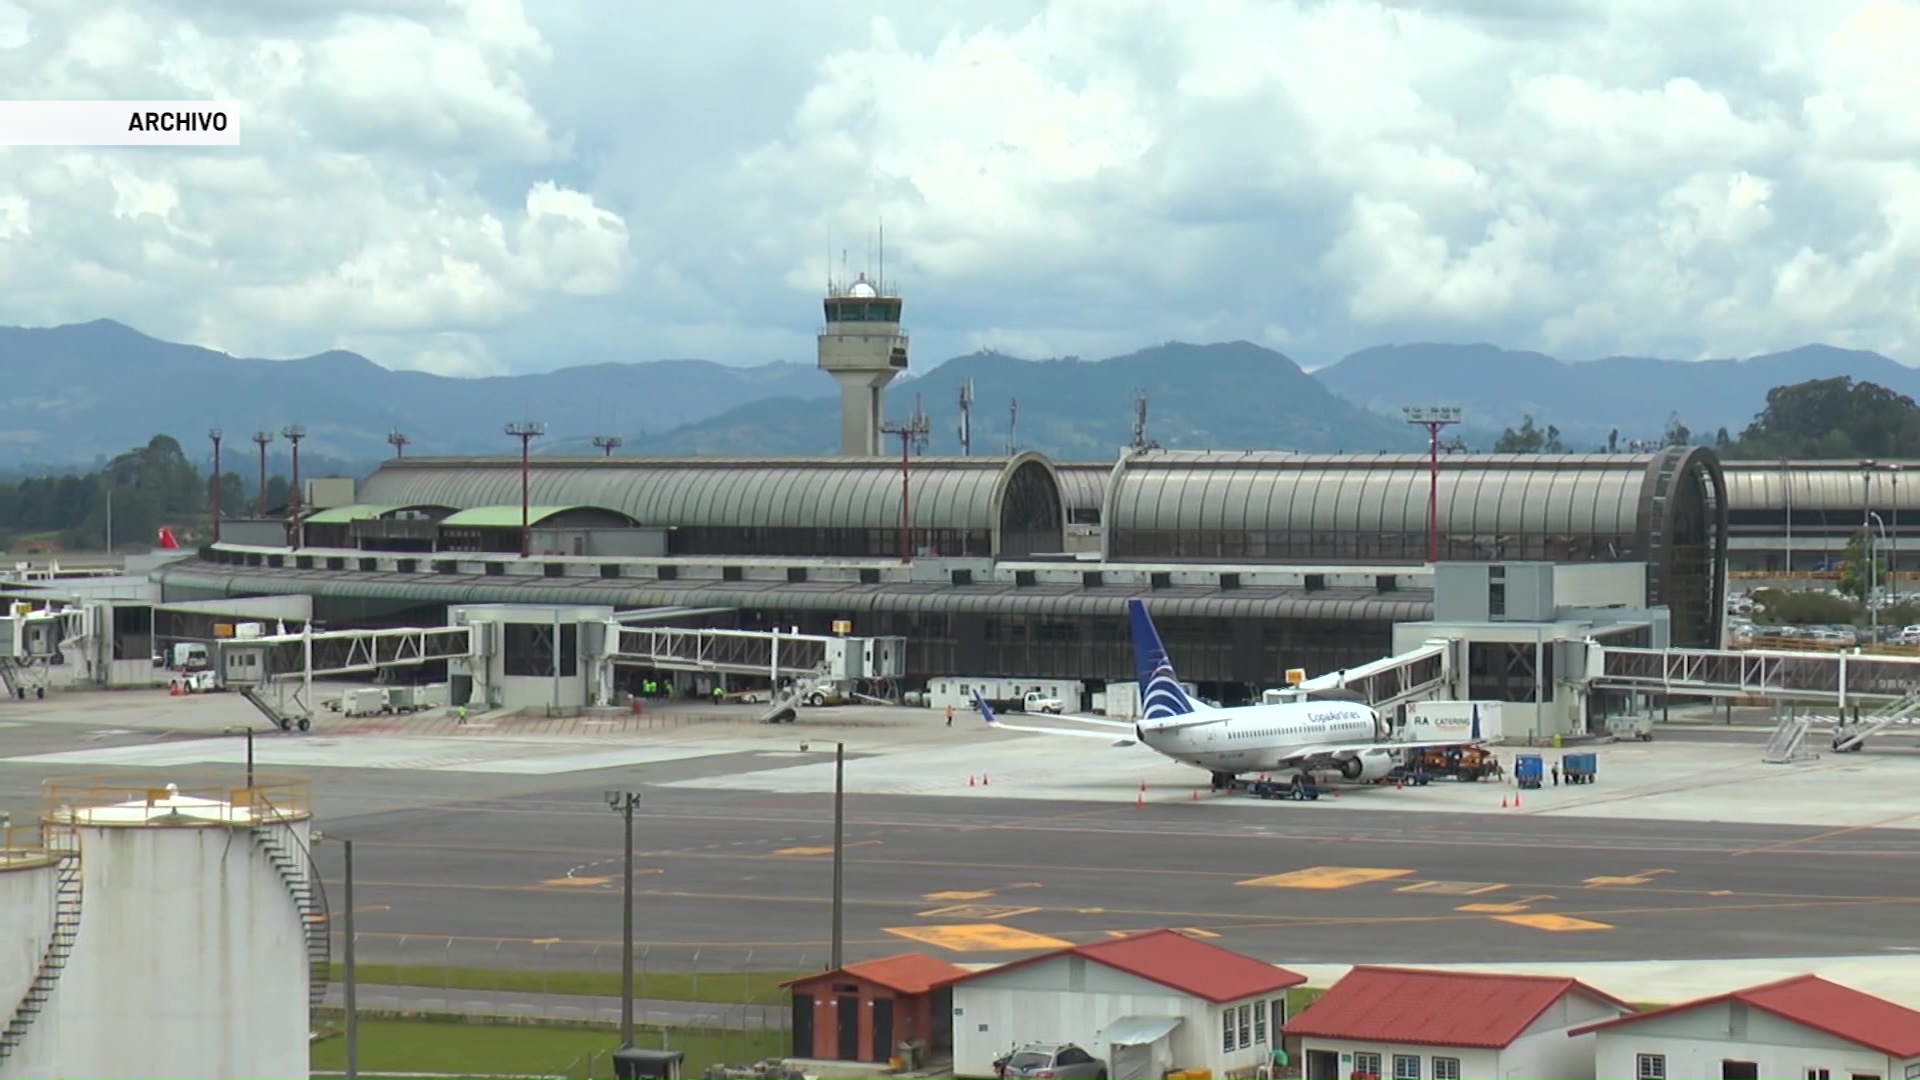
x=1161, y=695
x=986, y=710
x=167, y=542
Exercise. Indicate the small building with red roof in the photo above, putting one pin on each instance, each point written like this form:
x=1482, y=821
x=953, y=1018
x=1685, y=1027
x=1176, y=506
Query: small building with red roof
x=1799, y=1027
x=1145, y=1004
x=1411, y=1024
x=863, y=1012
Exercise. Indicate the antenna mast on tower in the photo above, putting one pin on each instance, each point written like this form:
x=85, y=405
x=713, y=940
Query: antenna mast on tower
x=1013, y=426
x=1140, y=440
x=922, y=428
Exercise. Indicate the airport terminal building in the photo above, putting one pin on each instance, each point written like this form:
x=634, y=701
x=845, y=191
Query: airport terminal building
x=1253, y=563
x=1801, y=515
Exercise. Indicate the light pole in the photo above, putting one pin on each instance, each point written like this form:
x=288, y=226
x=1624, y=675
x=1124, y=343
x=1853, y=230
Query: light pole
x=839, y=854
x=526, y=431
x=916, y=428
x=215, y=436
x=398, y=441
x=1434, y=418
x=1893, y=530
x=607, y=444
x=623, y=803
x=1786, y=492
x=1873, y=576
x=261, y=439
x=293, y=433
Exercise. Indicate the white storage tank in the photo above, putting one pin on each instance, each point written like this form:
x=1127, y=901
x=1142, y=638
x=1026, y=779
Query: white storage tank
x=27, y=869
x=200, y=921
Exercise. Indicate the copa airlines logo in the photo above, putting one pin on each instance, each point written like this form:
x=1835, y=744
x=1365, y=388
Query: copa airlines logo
x=1164, y=695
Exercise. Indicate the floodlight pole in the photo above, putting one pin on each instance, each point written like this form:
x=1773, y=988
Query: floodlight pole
x=261, y=439
x=607, y=444
x=526, y=432
x=398, y=441
x=837, y=957
x=293, y=433
x=1434, y=419
x=215, y=436
x=906, y=433
x=623, y=803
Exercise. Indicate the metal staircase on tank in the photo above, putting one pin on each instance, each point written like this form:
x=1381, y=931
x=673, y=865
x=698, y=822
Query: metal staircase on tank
x=63, y=843
x=293, y=860
x=1852, y=736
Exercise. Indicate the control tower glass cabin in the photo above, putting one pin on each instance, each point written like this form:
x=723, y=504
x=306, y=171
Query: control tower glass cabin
x=864, y=349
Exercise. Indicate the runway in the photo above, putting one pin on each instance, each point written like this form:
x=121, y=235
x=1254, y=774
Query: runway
x=494, y=847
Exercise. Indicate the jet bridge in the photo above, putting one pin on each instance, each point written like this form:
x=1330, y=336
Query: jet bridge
x=774, y=654
x=276, y=672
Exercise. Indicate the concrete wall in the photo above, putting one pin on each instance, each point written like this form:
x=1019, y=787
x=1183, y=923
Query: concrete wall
x=26, y=924
x=1475, y=1064
x=1696, y=1041
x=1600, y=585
x=604, y=543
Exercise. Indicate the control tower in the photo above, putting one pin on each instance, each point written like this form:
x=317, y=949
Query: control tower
x=863, y=348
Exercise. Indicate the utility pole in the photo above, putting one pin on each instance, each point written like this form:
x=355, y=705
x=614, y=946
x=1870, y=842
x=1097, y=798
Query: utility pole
x=398, y=441
x=348, y=976
x=261, y=439
x=607, y=444
x=909, y=433
x=839, y=854
x=1013, y=426
x=293, y=433
x=623, y=803
x=215, y=436
x=526, y=431
x=1434, y=418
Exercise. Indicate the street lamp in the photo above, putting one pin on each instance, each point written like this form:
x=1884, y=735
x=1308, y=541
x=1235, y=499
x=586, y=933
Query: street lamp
x=526, y=432
x=293, y=433
x=623, y=803
x=1434, y=418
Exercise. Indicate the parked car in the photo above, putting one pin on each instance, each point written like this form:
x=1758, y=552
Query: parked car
x=1052, y=1061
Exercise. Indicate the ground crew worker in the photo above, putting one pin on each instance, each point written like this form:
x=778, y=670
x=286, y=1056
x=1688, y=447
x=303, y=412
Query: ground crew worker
x=1556, y=776
x=460, y=715
x=648, y=689
x=719, y=695
x=949, y=716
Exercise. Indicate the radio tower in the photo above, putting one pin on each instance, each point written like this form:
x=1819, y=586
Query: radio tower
x=607, y=444
x=261, y=439
x=922, y=428
x=966, y=418
x=1013, y=426
x=398, y=441
x=1139, y=440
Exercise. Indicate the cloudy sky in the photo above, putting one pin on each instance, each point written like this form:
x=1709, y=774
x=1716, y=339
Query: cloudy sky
x=475, y=186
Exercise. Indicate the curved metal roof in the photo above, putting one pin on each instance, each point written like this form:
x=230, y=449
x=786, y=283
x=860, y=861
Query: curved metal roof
x=509, y=517
x=1821, y=485
x=827, y=492
x=1192, y=491
x=1083, y=485
x=1063, y=601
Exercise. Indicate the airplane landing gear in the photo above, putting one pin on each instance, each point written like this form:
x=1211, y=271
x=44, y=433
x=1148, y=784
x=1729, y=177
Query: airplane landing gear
x=1223, y=781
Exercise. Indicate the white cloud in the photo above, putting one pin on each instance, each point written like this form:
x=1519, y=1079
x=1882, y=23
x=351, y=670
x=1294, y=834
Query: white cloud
x=482, y=185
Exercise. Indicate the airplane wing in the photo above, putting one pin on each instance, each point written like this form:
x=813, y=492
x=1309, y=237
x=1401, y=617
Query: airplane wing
x=1097, y=721
x=986, y=713
x=1338, y=751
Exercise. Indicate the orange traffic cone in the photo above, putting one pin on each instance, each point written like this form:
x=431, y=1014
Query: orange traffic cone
x=1503, y=802
x=1516, y=800
x=176, y=690
x=1139, y=802
x=1196, y=795
x=984, y=781
x=969, y=779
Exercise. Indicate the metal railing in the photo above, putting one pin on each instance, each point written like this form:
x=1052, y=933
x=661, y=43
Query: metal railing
x=269, y=799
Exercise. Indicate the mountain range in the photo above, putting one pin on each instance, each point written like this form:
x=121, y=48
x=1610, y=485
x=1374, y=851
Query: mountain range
x=86, y=391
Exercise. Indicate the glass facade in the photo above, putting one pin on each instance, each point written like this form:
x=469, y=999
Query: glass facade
x=853, y=309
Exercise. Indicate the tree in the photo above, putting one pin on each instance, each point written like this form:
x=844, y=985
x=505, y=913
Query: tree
x=1831, y=419
x=1857, y=572
x=1528, y=439
x=1804, y=608
x=1677, y=433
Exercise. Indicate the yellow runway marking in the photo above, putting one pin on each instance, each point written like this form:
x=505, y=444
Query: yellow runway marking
x=1493, y=909
x=955, y=897
x=804, y=851
x=976, y=911
x=577, y=881
x=1324, y=877
x=1194, y=932
x=1453, y=888
x=979, y=937
x=1556, y=924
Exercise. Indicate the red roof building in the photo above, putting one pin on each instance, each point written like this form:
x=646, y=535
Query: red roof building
x=864, y=1012
x=1444, y=1025
x=1145, y=1004
x=1802, y=1026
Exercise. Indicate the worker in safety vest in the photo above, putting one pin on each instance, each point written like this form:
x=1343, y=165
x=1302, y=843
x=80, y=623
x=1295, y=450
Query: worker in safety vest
x=460, y=714
x=718, y=695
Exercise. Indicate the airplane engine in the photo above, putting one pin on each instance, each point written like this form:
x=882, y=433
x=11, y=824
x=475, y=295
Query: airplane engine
x=1366, y=767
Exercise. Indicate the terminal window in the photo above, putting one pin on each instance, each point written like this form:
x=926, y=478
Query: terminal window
x=528, y=650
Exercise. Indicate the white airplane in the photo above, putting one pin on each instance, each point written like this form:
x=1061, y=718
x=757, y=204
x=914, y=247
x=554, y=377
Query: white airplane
x=1303, y=737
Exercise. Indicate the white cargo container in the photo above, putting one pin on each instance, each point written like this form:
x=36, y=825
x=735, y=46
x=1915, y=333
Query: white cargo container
x=1439, y=721
x=364, y=702
x=958, y=690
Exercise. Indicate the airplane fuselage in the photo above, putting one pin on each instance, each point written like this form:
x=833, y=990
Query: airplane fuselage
x=1258, y=738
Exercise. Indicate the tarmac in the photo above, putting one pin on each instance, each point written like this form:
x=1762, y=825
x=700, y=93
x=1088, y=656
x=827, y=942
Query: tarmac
x=490, y=844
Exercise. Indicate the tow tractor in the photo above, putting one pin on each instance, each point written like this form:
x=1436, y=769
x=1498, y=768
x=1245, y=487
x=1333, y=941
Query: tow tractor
x=1298, y=788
